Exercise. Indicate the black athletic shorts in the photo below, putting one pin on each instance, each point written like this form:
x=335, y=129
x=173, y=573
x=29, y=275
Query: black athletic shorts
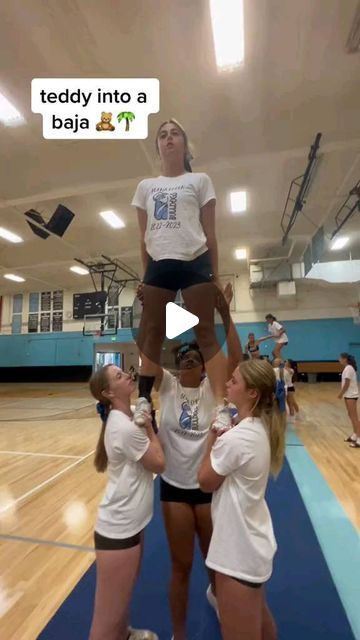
x=179, y=274
x=169, y=493
x=253, y=585
x=291, y=389
x=115, y=544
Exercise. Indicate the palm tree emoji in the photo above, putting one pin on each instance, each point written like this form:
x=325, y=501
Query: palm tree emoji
x=128, y=116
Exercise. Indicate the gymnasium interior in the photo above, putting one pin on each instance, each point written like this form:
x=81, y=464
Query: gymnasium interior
x=278, y=132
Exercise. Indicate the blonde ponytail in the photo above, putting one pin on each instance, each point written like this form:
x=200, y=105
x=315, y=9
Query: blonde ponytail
x=259, y=375
x=276, y=423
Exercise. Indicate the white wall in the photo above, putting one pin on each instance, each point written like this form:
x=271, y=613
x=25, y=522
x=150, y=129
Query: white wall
x=312, y=300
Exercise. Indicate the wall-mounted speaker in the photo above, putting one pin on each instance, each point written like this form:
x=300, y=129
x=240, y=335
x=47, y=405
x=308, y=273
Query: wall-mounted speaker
x=57, y=224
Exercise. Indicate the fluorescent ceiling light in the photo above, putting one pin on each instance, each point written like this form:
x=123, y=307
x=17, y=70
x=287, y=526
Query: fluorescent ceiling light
x=80, y=270
x=240, y=254
x=238, y=201
x=339, y=243
x=11, y=276
x=9, y=115
x=8, y=235
x=227, y=17
x=112, y=219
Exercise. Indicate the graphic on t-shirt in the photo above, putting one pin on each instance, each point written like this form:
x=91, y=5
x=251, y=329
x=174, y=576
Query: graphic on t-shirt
x=165, y=205
x=185, y=417
x=189, y=417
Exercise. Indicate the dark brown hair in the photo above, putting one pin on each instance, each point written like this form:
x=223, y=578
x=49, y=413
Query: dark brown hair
x=188, y=155
x=98, y=383
x=349, y=359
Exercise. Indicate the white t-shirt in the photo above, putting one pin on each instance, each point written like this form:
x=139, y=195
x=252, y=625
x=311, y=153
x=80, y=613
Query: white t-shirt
x=127, y=505
x=243, y=542
x=185, y=418
x=173, y=229
x=353, y=389
x=274, y=329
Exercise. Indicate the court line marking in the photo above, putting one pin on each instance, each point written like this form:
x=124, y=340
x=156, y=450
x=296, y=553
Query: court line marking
x=48, y=416
x=46, y=482
x=50, y=543
x=31, y=453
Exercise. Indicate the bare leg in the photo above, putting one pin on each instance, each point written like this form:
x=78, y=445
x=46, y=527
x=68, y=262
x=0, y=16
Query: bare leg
x=116, y=573
x=296, y=406
x=289, y=399
x=277, y=350
x=180, y=529
x=241, y=609
x=152, y=327
x=203, y=524
x=200, y=300
x=269, y=629
x=351, y=405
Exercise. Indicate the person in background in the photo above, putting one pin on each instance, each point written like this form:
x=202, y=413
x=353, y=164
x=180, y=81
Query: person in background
x=350, y=393
x=252, y=347
x=293, y=406
x=277, y=333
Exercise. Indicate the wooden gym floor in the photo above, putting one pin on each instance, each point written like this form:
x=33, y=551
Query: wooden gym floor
x=49, y=489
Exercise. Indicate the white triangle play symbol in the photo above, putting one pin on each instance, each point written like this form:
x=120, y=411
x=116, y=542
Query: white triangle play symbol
x=178, y=320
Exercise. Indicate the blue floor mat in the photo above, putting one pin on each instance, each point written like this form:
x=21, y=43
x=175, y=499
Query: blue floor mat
x=301, y=592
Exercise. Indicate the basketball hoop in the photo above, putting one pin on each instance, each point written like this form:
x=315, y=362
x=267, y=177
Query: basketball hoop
x=355, y=311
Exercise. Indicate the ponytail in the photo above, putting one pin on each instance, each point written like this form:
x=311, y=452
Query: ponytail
x=276, y=423
x=270, y=406
x=98, y=383
x=101, y=457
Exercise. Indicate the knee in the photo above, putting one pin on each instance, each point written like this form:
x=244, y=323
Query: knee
x=181, y=570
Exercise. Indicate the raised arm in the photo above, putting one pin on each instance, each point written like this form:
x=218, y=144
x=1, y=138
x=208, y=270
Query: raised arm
x=235, y=353
x=154, y=459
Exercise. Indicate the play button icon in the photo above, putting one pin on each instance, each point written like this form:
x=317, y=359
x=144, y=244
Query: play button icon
x=178, y=320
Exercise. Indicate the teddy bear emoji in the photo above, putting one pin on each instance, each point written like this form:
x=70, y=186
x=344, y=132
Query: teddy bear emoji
x=105, y=124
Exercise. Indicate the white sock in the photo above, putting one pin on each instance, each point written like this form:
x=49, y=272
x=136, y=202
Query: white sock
x=354, y=437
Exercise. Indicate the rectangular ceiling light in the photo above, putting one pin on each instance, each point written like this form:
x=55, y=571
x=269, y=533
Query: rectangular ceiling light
x=340, y=243
x=11, y=276
x=8, y=235
x=9, y=115
x=112, y=219
x=240, y=254
x=238, y=201
x=227, y=17
x=80, y=270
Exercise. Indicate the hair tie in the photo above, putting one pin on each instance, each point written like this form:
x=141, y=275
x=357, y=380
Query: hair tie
x=101, y=408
